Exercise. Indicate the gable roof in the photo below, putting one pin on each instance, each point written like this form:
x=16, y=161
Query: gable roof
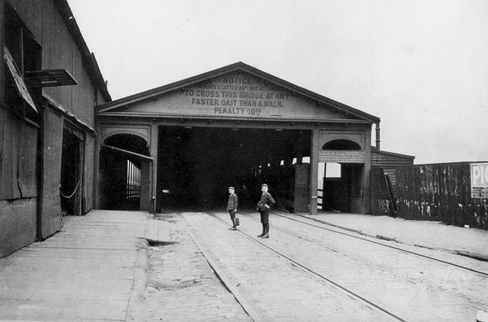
x=236, y=67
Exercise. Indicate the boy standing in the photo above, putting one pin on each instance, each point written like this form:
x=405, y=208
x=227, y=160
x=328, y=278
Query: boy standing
x=232, y=207
x=264, y=204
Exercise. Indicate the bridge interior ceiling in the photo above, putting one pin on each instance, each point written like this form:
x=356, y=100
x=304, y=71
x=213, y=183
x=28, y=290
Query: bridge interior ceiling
x=197, y=165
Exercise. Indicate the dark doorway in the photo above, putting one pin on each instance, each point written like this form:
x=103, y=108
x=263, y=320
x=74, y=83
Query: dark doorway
x=72, y=173
x=343, y=192
x=196, y=165
x=340, y=193
x=121, y=172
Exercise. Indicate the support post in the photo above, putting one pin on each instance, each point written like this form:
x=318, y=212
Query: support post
x=314, y=171
x=378, y=138
x=154, y=172
x=145, y=195
x=366, y=180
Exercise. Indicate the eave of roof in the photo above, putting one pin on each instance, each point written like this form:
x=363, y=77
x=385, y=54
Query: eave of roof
x=88, y=58
x=207, y=118
x=52, y=103
x=239, y=66
x=375, y=150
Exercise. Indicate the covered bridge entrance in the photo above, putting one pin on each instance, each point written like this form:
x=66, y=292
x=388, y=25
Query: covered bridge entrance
x=187, y=142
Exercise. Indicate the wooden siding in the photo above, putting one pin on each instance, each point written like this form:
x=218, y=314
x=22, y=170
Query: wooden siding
x=15, y=234
x=381, y=201
x=18, y=178
x=440, y=192
x=50, y=22
x=51, y=203
x=60, y=51
x=217, y=98
x=89, y=175
x=389, y=162
x=2, y=40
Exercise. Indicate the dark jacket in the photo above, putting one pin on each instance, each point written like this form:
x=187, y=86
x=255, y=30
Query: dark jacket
x=232, y=203
x=266, y=199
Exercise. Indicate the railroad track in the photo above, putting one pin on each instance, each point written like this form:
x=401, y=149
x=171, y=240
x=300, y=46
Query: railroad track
x=390, y=272
x=306, y=268
x=249, y=308
x=319, y=276
x=380, y=243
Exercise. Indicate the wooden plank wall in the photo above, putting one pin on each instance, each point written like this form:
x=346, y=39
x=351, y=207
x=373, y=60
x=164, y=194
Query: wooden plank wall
x=440, y=192
x=51, y=220
x=389, y=162
x=381, y=203
x=89, y=175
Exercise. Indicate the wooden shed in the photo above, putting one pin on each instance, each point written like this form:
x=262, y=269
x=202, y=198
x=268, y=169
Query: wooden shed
x=51, y=84
x=389, y=162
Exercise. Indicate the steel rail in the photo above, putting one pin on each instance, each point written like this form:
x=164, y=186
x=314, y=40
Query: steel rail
x=360, y=260
x=248, y=308
x=381, y=244
x=348, y=292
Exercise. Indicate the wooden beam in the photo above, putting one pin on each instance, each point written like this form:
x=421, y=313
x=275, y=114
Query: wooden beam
x=141, y=156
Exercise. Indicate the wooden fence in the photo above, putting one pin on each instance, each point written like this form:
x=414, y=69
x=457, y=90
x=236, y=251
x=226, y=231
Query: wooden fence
x=435, y=192
x=382, y=198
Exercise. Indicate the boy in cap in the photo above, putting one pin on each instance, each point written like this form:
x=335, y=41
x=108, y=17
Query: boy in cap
x=264, y=204
x=232, y=207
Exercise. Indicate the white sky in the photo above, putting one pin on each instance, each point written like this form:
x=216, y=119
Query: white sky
x=419, y=65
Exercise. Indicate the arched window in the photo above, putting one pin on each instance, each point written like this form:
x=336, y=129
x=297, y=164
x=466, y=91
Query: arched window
x=341, y=145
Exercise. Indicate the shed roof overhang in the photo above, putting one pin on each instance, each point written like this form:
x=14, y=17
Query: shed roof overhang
x=393, y=154
x=49, y=78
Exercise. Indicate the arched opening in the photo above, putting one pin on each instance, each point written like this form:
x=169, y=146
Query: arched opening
x=341, y=187
x=124, y=173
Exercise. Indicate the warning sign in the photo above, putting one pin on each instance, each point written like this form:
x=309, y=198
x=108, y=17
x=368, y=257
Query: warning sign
x=479, y=180
x=341, y=156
